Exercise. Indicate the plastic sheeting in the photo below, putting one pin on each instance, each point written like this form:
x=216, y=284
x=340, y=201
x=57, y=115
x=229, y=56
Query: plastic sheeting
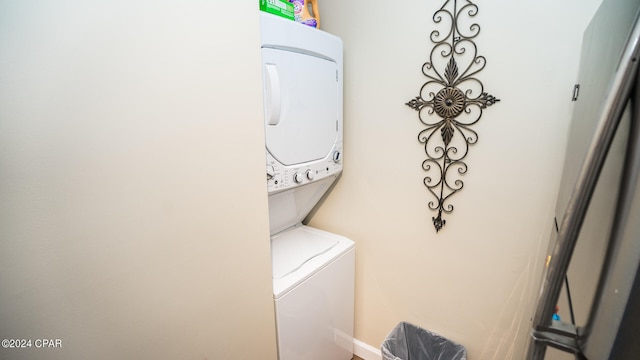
x=409, y=342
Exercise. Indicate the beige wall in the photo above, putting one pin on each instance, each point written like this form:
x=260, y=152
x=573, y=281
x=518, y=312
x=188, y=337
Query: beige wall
x=475, y=281
x=131, y=162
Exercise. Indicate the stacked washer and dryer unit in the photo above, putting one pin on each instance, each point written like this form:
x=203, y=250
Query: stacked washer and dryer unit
x=313, y=270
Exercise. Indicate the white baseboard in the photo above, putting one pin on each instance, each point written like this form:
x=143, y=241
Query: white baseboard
x=366, y=351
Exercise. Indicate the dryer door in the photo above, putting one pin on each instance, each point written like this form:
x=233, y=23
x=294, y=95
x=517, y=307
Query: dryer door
x=301, y=105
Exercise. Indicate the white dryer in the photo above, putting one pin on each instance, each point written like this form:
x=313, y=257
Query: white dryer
x=313, y=270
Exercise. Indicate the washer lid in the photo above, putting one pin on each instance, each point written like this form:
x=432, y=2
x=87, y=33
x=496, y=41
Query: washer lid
x=292, y=249
x=301, y=105
x=299, y=253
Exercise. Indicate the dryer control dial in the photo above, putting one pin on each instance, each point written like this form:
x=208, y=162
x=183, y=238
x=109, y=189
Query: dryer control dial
x=271, y=172
x=297, y=177
x=310, y=175
x=337, y=156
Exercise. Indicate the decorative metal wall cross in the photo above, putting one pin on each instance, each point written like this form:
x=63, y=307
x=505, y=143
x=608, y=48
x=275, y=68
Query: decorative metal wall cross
x=450, y=103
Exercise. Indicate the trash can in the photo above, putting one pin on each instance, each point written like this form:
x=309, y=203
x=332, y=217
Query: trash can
x=409, y=342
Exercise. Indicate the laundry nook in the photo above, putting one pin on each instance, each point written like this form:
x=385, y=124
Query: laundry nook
x=313, y=270
x=319, y=180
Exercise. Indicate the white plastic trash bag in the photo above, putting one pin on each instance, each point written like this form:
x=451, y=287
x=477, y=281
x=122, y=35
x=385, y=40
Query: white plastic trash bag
x=409, y=342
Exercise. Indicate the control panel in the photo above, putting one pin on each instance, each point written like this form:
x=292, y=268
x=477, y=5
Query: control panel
x=281, y=177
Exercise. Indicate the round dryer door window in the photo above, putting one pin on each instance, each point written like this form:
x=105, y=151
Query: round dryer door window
x=301, y=105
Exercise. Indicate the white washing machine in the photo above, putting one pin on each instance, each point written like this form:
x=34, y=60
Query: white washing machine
x=313, y=270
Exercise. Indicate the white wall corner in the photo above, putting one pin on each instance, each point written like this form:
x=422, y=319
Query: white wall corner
x=366, y=351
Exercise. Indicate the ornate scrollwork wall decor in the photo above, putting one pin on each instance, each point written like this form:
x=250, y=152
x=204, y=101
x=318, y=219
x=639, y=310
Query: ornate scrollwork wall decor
x=450, y=103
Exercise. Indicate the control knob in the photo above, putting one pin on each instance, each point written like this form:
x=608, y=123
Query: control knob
x=337, y=156
x=297, y=178
x=271, y=172
x=310, y=174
